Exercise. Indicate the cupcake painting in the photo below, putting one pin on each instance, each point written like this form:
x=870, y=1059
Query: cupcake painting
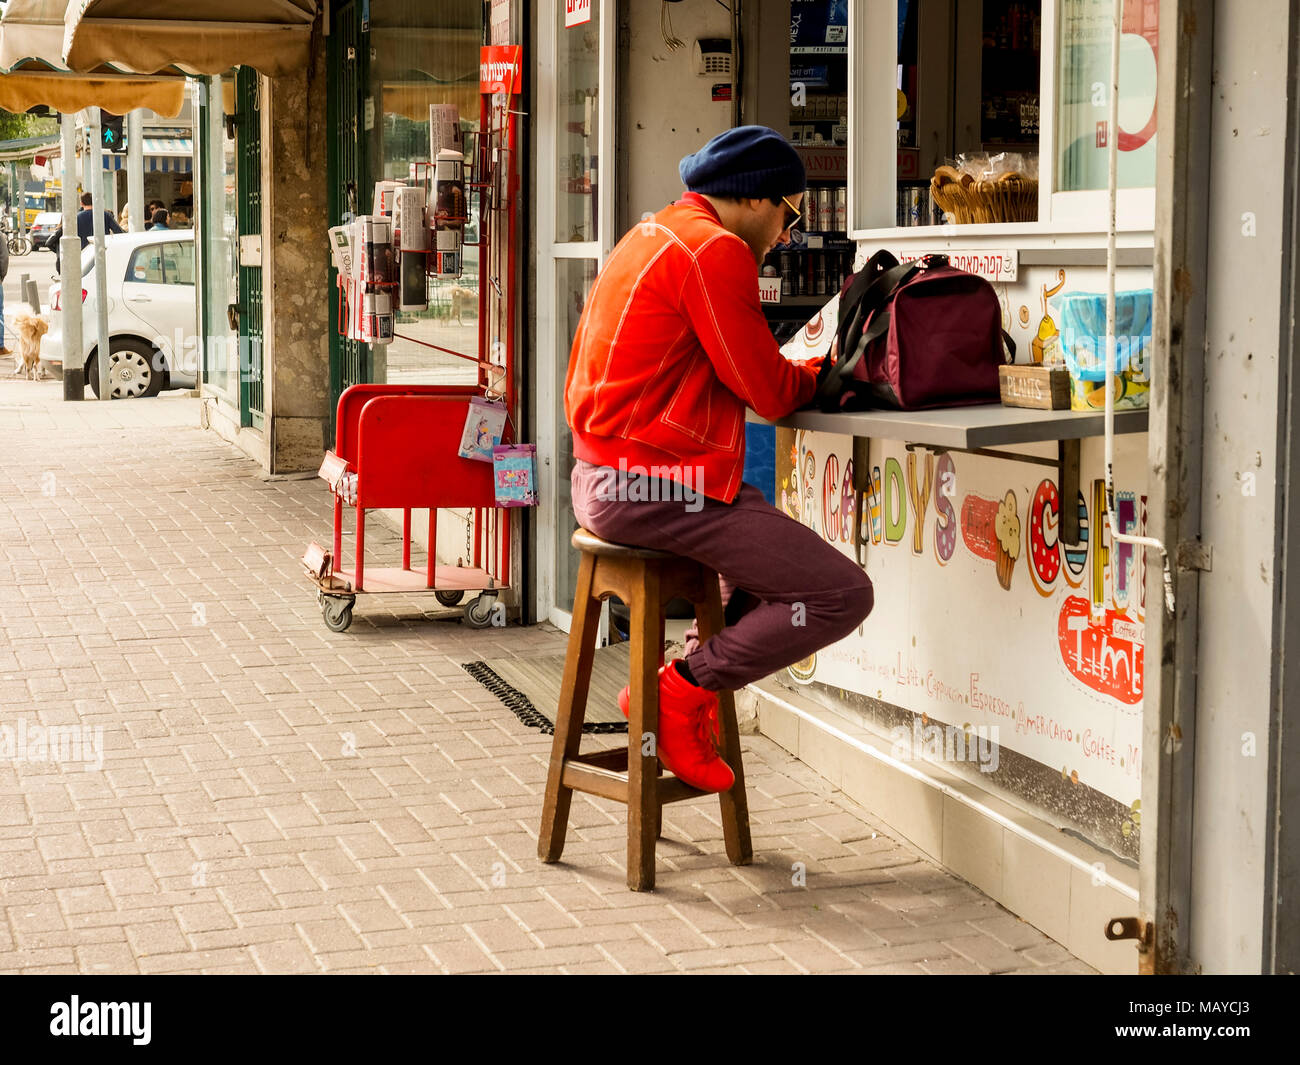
x=1007, y=530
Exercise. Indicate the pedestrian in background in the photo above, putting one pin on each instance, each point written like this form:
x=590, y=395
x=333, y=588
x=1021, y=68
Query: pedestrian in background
x=159, y=220
x=85, y=228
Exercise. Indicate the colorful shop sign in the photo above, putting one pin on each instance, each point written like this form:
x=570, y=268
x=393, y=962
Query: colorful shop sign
x=983, y=614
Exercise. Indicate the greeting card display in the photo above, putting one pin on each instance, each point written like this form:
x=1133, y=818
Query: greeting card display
x=514, y=468
x=484, y=424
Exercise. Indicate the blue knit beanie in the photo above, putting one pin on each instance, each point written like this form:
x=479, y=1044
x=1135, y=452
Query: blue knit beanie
x=749, y=162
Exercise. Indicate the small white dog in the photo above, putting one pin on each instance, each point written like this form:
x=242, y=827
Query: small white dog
x=29, y=328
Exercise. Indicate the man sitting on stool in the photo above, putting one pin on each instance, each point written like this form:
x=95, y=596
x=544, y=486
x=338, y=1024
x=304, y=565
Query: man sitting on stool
x=671, y=347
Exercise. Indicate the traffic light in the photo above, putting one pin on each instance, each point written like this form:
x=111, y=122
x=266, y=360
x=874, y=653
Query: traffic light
x=110, y=131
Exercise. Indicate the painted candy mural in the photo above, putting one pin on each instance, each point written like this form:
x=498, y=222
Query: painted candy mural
x=984, y=616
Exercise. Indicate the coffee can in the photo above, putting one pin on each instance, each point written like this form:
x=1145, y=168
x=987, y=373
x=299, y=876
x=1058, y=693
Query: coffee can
x=841, y=209
x=914, y=207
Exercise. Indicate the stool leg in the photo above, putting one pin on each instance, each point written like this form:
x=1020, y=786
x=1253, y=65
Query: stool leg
x=570, y=712
x=659, y=772
x=735, y=804
x=643, y=811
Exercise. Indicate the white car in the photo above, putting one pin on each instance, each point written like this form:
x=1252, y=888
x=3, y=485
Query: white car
x=152, y=314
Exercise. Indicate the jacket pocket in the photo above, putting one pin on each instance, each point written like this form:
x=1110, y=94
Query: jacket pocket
x=704, y=410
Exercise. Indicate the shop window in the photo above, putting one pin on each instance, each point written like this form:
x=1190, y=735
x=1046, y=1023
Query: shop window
x=1082, y=103
x=423, y=61
x=577, y=131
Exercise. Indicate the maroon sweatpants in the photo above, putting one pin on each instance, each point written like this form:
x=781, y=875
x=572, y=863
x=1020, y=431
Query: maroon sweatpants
x=802, y=593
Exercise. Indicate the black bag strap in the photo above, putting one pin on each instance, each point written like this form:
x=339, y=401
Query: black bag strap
x=853, y=295
x=854, y=340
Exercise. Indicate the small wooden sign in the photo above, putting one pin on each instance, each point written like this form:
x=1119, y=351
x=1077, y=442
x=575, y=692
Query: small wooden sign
x=1039, y=387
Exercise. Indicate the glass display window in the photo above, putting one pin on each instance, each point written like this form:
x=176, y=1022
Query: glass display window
x=995, y=113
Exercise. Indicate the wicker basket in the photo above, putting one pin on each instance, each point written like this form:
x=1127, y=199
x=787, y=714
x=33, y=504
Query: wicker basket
x=1012, y=197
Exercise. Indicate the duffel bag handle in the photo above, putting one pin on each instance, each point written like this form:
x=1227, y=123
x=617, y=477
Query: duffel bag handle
x=853, y=338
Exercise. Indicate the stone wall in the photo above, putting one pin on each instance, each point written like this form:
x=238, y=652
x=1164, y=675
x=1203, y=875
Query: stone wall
x=295, y=257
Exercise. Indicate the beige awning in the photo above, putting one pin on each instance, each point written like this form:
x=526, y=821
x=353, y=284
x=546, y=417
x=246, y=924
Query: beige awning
x=31, y=32
x=198, y=36
x=31, y=44
x=67, y=93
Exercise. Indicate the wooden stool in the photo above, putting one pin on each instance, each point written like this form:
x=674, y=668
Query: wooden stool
x=645, y=580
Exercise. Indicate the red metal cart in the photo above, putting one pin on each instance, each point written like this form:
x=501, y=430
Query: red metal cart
x=395, y=447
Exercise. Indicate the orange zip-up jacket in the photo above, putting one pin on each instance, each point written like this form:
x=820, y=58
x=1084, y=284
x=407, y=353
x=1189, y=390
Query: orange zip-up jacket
x=671, y=347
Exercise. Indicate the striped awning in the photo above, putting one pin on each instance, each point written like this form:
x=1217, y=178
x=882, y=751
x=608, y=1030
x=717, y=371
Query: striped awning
x=166, y=154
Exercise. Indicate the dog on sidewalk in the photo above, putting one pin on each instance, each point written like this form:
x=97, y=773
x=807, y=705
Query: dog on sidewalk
x=462, y=299
x=29, y=328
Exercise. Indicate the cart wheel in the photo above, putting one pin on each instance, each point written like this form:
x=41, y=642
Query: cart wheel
x=478, y=611
x=337, y=613
x=450, y=598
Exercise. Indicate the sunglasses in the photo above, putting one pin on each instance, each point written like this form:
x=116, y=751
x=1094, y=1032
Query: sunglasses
x=792, y=213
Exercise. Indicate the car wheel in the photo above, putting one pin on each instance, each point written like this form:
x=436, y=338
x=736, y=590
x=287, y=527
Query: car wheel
x=131, y=370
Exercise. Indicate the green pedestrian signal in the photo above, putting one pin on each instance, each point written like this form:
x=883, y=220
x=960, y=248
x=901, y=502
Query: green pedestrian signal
x=110, y=132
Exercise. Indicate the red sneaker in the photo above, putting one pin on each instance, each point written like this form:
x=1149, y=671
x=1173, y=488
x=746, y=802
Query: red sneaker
x=687, y=725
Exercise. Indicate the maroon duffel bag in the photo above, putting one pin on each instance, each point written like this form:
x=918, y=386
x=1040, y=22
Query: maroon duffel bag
x=920, y=334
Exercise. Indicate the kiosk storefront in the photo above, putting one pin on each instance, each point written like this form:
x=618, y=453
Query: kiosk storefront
x=990, y=709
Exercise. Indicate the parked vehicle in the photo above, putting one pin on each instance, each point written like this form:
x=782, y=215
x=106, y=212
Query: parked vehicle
x=43, y=228
x=152, y=314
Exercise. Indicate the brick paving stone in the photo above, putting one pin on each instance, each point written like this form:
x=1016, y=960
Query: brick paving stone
x=107, y=958
x=952, y=967
x=373, y=916
x=203, y=917
x=38, y=918
x=1048, y=953
x=84, y=899
x=635, y=956
x=774, y=967
x=463, y=956
x=1074, y=967
x=156, y=937
x=813, y=956
x=1015, y=934
x=988, y=953
x=499, y=935
x=900, y=969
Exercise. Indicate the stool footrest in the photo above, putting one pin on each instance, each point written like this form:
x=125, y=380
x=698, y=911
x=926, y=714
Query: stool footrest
x=581, y=775
x=615, y=758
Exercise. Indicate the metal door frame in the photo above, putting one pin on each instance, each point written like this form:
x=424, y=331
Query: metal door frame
x=248, y=165
x=348, y=68
x=550, y=405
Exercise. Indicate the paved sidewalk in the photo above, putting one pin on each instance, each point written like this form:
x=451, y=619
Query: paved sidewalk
x=274, y=797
